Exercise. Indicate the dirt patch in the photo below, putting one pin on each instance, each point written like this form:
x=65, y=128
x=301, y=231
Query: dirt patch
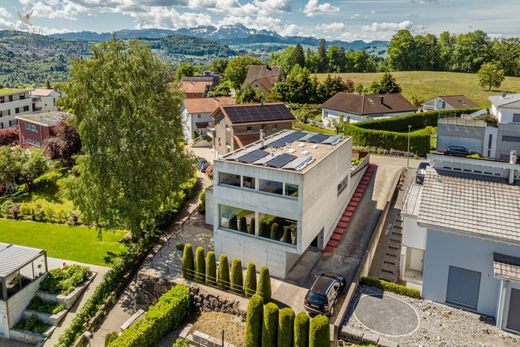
x=212, y=323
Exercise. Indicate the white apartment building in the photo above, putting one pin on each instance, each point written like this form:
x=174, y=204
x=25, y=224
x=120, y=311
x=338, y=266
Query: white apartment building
x=45, y=99
x=276, y=197
x=14, y=102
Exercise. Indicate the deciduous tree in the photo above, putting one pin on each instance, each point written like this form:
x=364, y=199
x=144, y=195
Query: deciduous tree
x=491, y=76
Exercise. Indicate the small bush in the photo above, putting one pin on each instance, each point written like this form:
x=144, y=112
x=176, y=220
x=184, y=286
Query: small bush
x=39, y=305
x=243, y=224
x=33, y=324
x=64, y=280
x=181, y=343
x=319, y=332
x=286, y=327
x=211, y=269
x=301, y=330
x=202, y=205
x=237, y=280
x=254, y=319
x=250, y=285
x=264, y=284
x=251, y=227
x=391, y=287
x=270, y=325
x=110, y=337
x=233, y=223
x=223, y=272
x=200, y=265
x=188, y=264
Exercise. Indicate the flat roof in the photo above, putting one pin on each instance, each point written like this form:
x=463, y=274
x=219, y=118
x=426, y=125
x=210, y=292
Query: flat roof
x=291, y=150
x=13, y=258
x=467, y=204
x=7, y=91
x=412, y=200
x=48, y=119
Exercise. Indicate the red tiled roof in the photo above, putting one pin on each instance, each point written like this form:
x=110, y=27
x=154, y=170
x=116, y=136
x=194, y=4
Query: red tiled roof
x=243, y=140
x=206, y=105
x=256, y=72
x=369, y=104
x=195, y=87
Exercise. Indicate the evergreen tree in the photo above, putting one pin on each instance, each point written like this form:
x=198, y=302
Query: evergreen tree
x=323, y=63
x=200, y=265
x=223, y=272
x=270, y=325
x=264, y=284
x=301, y=330
x=254, y=320
x=211, y=269
x=250, y=284
x=188, y=264
x=298, y=57
x=237, y=280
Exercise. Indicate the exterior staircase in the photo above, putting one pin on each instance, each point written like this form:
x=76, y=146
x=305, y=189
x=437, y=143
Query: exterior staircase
x=390, y=267
x=342, y=225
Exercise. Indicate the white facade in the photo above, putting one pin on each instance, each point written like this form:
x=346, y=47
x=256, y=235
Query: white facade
x=189, y=123
x=12, y=104
x=328, y=116
x=315, y=211
x=436, y=104
x=45, y=99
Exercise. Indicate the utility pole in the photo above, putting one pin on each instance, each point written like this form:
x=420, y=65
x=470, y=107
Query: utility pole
x=408, y=149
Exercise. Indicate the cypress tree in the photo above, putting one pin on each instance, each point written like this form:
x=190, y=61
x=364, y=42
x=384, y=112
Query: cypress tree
x=270, y=325
x=263, y=228
x=233, y=223
x=254, y=319
x=200, y=265
x=211, y=269
x=250, y=284
x=243, y=224
x=301, y=330
x=286, y=234
x=251, y=227
x=223, y=272
x=237, y=280
x=286, y=327
x=264, y=284
x=319, y=332
x=188, y=266
x=274, y=231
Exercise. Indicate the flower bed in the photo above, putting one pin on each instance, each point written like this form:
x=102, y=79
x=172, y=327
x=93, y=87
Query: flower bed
x=37, y=304
x=63, y=281
x=33, y=324
x=69, y=299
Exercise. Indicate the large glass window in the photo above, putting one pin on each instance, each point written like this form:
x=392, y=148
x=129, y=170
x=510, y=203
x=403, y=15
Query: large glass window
x=273, y=187
x=248, y=182
x=238, y=219
x=229, y=179
x=278, y=228
x=291, y=190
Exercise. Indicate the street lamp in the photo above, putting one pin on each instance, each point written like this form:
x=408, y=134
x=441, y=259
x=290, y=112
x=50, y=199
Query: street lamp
x=408, y=148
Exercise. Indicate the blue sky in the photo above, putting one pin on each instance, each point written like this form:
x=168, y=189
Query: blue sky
x=331, y=19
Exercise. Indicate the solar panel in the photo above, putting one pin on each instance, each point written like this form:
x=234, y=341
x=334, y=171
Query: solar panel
x=281, y=160
x=332, y=140
x=306, y=137
x=258, y=113
x=318, y=138
x=253, y=156
x=298, y=162
x=242, y=152
x=278, y=136
x=287, y=139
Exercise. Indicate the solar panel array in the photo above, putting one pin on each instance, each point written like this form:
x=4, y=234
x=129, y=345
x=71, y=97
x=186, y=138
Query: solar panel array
x=253, y=156
x=257, y=114
x=318, y=138
x=287, y=139
x=281, y=160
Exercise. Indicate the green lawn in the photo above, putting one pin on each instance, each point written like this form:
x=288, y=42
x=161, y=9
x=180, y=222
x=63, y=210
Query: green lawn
x=63, y=241
x=426, y=84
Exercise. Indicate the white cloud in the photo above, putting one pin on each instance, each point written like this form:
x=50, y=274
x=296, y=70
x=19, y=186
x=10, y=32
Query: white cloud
x=313, y=8
x=168, y=18
x=292, y=30
x=4, y=13
x=386, y=27
x=335, y=27
x=4, y=24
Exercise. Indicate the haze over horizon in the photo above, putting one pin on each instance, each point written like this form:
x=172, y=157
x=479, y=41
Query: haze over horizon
x=346, y=20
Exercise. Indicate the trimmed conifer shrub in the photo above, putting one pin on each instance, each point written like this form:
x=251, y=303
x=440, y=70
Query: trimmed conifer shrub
x=270, y=325
x=301, y=330
x=237, y=279
x=200, y=265
x=286, y=327
x=254, y=319
x=243, y=224
x=250, y=284
x=264, y=284
x=188, y=266
x=286, y=234
x=274, y=231
x=211, y=269
x=319, y=332
x=223, y=272
x=263, y=228
x=233, y=223
x=251, y=227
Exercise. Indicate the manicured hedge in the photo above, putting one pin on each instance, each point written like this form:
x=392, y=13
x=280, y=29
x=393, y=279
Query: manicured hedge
x=168, y=313
x=188, y=264
x=211, y=269
x=223, y=272
x=270, y=325
x=319, y=332
x=254, y=319
x=391, y=287
x=286, y=327
x=250, y=284
x=301, y=330
x=200, y=265
x=237, y=280
x=264, y=284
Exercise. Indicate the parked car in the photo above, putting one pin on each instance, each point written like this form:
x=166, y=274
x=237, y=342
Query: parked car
x=421, y=170
x=457, y=151
x=322, y=296
x=203, y=164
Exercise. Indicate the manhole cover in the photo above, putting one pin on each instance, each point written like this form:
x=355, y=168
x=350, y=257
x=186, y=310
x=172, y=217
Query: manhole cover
x=386, y=315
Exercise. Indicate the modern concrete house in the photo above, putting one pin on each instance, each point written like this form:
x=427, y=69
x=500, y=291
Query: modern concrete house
x=236, y=126
x=449, y=102
x=45, y=99
x=356, y=107
x=262, y=78
x=277, y=197
x=14, y=102
x=21, y=271
x=196, y=114
x=35, y=129
x=461, y=236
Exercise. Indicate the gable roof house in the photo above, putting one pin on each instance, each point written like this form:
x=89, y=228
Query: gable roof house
x=356, y=108
x=199, y=86
x=262, y=77
x=237, y=126
x=196, y=114
x=449, y=102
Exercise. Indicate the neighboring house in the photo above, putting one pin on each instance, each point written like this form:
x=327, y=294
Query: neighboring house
x=14, y=102
x=199, y=86
x=35, y=129
x=262, y=78
x=356, y=107
x=487, y=140
x=449, y=102
x=207, y=76
x=461, y=236
x=237, y=126
x=275, y=198
x=45, y=99
x=21, y=271
x=196, y=114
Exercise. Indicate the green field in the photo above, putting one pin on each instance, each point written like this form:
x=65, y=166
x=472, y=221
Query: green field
x=426, y=84
x=62, y=241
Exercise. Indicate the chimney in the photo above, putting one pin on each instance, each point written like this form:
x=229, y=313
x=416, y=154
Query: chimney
x=262, y=135
x=512, y=160
x=381, y=99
